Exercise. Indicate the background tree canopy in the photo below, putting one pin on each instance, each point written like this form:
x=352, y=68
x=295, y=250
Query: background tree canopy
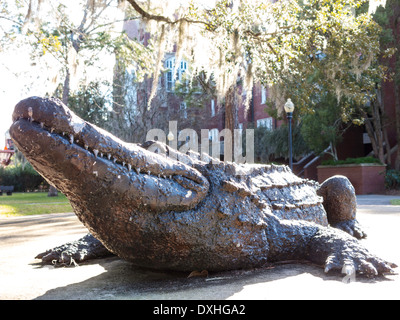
x=303, y=50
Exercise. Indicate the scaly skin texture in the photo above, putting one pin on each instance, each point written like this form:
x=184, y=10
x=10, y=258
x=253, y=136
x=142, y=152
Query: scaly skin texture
x=184, y=214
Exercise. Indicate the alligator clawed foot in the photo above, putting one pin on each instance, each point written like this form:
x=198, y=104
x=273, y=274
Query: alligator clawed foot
x=74, y=252
x=337, y=251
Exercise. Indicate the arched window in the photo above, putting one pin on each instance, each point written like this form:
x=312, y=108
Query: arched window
x=172, y=75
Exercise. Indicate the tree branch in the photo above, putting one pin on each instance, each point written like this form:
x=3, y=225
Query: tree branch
x=159, y=18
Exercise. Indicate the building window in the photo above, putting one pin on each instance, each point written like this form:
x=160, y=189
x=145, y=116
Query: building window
x=263, y=95
x=212, y=108
x=213, y=135
x=172, y=75
x=265, y=123
x=183, y=108
x=241, y=128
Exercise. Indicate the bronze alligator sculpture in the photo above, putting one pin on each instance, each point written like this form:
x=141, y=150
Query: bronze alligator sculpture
x=186, y=214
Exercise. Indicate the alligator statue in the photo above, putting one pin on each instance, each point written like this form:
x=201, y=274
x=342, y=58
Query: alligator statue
x=162, y=209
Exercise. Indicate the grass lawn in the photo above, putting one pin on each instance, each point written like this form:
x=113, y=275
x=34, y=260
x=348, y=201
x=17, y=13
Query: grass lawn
x=395, y=202
x=21, y=204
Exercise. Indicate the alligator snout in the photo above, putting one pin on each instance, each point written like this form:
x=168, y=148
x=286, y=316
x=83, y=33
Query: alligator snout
x=50, y=113
x=59, y=144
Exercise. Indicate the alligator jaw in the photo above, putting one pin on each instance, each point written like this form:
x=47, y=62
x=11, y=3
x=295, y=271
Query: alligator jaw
x=73, y=154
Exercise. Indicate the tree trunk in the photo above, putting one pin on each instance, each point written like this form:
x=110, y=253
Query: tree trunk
x=118, y=91
x=397, y=108
x=381, y=104
x=371, y=132
x=231, y=121
x=378, y=131
x=396, y=10
x=65, y=95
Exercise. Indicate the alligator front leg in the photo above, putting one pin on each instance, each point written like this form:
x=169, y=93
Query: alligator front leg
x=325, y=246
x=84, y=249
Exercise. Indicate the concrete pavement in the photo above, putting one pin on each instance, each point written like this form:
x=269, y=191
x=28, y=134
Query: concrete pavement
x=22, y=277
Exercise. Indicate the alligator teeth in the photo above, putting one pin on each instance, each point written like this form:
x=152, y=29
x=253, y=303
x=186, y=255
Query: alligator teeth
x=115, y=160
x=42, y=125
x=109, y=156
x=101, y=155
x=71, y=138
x=129, y=167
x=96, y=152
x=123, y=164
x=86, y=146
x=52, y=130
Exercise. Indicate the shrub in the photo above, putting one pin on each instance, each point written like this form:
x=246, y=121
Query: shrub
x=392, y=179
x=23, y=178
x=351, y=161
x=271, y=145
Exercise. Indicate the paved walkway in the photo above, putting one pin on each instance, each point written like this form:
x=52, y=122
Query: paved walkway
x=21, y=277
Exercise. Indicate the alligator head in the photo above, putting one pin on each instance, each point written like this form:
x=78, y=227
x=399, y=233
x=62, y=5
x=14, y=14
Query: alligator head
x=67, y=150
x=91, y=166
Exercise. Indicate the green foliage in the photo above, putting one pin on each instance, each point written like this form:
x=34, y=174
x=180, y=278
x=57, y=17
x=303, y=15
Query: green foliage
x=381, y=17
x=90, y=104
x=360, y=160
x=322, y=127
x=272, y=145
x=392, y=179
x=23, y=178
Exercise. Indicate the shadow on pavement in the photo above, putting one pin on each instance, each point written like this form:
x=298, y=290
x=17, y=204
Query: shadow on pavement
x=121, y=280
